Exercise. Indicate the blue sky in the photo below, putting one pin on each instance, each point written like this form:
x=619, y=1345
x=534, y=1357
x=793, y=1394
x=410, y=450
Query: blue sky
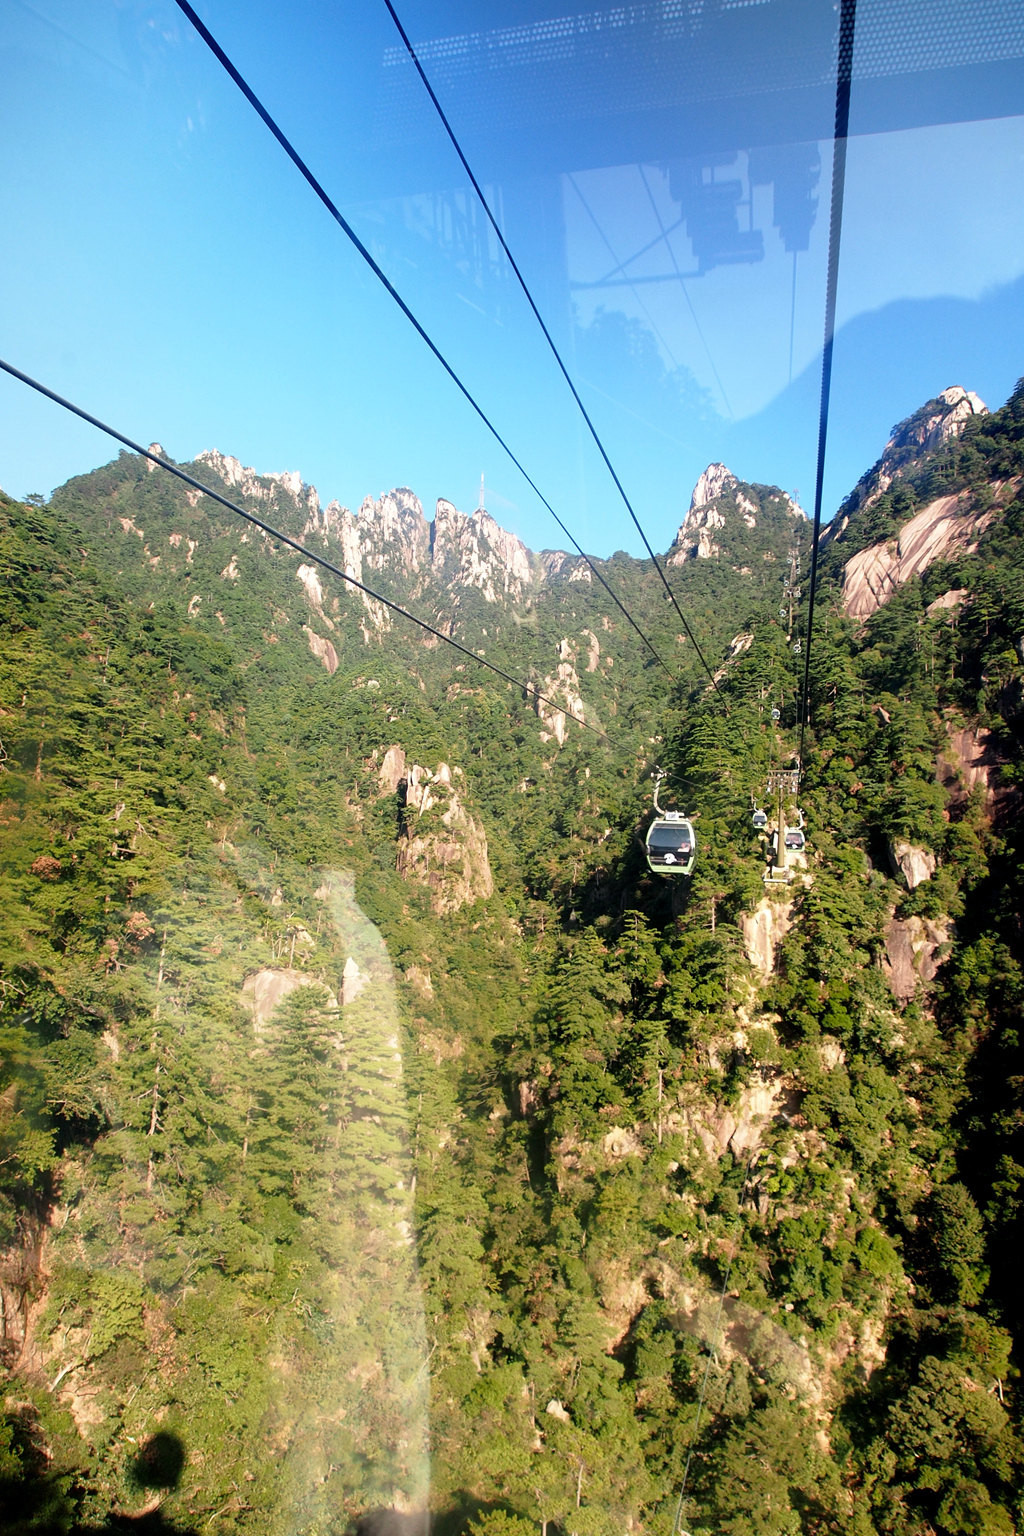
x=166, y=267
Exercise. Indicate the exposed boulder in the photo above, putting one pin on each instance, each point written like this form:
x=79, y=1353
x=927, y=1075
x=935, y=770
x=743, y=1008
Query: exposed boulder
x=263, y=990
x=762, y=930
x=947, y=602
x=420, y=980
x=352, y=982
x=392, y=770
x=830, y=1053
x=620, y=1142
x=913, y=952
x=916, y=865
x=442, y=845
x=322, y=649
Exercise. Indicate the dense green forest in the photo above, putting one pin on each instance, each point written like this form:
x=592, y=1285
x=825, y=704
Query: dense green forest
x=378, y=1134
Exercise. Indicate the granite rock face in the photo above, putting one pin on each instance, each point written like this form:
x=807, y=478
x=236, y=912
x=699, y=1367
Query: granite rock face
x=392, y=535
x=914, y=949
x=723, y=510
x=442, y=845
x=928, y=428
x=476, y=552
x=944, y=527
x=916, y=865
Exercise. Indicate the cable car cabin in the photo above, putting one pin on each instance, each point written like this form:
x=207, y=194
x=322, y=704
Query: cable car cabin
x=759, y=820
x=671, y=845
x=795, y=840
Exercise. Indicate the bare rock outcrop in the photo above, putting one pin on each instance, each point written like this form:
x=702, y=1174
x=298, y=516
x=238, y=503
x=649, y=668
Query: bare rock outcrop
x=720, y=504
x=392, y=770
x=557, y=563
x=593, y=650
x=947, y=602
x=442, y=845
x=621, y=1142
x=393, y=532
x=322, y=649
x=353, y=981
x=310, y=579
x=943, y=527
x=916, y=865
x=936, y=422
x=476, y=552
x=970, y=761
x=715, y=480
x=335, y=528
x=561, y=687
x=762, y=930
x=695, y=539
x=740, y=1129
x=260, y=487
x=914, y=949
x=263, y=990
x=457, y=550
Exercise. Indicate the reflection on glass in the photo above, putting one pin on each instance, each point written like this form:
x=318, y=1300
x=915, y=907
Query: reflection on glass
x=378, y=1141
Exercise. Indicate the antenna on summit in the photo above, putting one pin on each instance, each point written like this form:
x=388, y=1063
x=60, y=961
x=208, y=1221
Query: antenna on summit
x=480, y=504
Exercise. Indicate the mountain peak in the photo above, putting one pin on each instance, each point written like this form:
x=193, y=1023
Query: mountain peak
x=742, y=520
x=260, y=486
x=933, y=424
x=714, y=482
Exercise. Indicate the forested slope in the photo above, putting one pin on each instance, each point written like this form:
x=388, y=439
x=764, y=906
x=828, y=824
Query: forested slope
x=371, y=1119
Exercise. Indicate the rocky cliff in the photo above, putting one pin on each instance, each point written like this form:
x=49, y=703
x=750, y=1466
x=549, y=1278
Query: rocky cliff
x=393, y=535
x=947, y=525
x=442, y=847
x=900, y=519
x=723, y=515
x=928, y=428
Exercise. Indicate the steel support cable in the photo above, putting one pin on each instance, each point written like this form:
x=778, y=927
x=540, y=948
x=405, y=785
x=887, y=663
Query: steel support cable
x=844, y=72
x=382, y=277
x=284, y=538
x=556, y=354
